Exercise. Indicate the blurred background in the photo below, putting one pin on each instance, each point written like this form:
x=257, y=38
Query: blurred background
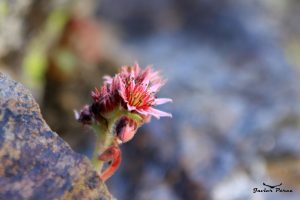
x=232, y=70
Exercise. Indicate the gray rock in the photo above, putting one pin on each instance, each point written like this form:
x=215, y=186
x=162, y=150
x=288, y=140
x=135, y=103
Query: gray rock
x=35, y=163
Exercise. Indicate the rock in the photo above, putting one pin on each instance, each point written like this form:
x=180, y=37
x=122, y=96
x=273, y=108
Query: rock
x=35, y=163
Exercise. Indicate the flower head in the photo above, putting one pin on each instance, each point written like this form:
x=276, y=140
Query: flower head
x=137, y=89
x=105, y=100
x=123, y=104
x=134, y=89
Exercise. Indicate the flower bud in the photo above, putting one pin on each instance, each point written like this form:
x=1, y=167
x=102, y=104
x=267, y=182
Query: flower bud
x=125, y=129
x=105, y=100
x=84, y=116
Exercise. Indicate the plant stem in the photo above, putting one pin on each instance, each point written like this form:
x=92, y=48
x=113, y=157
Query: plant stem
x=103, y=141
x=98, y=163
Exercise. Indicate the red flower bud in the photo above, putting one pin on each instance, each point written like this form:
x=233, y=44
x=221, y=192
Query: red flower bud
x=125, y=129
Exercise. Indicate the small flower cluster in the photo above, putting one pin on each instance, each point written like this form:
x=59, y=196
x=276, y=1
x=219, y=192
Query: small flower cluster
x=124, y=103
x=132, y=91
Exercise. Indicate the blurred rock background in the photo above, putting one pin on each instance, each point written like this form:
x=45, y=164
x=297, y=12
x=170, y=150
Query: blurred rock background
x=232, y=70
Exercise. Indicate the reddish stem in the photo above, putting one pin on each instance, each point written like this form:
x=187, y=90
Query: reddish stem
x=113, y=154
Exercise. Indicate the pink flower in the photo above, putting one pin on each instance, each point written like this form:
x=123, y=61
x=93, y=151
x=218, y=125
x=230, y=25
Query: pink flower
x=137, y=89
x=105, y=99
x=123, y=104
x=134, y=89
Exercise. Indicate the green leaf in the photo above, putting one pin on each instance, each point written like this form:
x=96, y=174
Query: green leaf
x=136, y=117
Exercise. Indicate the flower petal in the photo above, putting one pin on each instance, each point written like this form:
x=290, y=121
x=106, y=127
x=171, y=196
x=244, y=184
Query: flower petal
x=130, y=108
x=122, y=89
x=160, y=101
x=142, y=111
x=136, y=69
x=155, y=87
x=157, y=113
x=107, y=79
x=131, y=81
